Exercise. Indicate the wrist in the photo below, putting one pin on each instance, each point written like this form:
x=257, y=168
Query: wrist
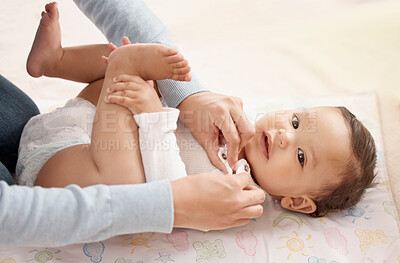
x=149, y=109
x=157, y=107
x=184, y=103
x=177, y=188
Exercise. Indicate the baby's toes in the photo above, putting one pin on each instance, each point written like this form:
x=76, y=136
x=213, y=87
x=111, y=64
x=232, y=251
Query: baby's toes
x=175, y=58
x=169, y=51
x=180, y=64
x=181, y=71
x=52, y=9
x=184, y=77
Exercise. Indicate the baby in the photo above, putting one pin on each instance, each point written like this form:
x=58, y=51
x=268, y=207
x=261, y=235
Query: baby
x=314, y=161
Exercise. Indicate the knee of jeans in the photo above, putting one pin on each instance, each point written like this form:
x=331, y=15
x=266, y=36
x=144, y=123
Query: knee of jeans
x=5, y=175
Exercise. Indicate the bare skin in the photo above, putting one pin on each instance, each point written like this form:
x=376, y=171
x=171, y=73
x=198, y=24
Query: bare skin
x=46, y=54
x=47, y=41
x=204, y=201
x=119, y=162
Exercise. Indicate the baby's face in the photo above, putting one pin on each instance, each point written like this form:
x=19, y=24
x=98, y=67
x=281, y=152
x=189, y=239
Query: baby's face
x=296, y=152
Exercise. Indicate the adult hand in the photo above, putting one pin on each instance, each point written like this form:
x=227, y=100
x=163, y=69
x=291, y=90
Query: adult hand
x=213, y=201
x=207, y=115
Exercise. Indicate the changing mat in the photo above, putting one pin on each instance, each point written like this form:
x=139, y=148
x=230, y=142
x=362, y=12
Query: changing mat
x=367, y=232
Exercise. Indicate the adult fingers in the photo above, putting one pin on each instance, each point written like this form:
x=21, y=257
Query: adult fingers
x=126, y=41
x=231, y=134
x=243, y=180
x=111, y=46
x=251, y=187
x=244, y=126
x=251, y=212
x=212, y=149
x=252, y=195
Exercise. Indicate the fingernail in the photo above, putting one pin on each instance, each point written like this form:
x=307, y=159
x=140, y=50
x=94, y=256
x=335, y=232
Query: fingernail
x=115, y=79
x=108, y=90
x=106, y=99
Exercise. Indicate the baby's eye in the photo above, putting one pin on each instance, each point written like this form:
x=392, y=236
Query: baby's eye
x=295, y=121
x=300, y=157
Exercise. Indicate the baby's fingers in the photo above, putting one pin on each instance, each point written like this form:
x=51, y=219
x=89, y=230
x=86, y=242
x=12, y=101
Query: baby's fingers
x=129, y=78
x=124, y=86
x=125, y=93
x=119, y=100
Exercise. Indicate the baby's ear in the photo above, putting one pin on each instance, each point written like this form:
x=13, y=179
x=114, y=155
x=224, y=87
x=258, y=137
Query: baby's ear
x=303, y=204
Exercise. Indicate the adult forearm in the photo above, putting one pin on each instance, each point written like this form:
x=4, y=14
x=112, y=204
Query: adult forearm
x=134, y=19
x=28, y=215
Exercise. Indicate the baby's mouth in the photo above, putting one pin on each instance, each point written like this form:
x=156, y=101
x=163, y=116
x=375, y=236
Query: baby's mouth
x=265, y=145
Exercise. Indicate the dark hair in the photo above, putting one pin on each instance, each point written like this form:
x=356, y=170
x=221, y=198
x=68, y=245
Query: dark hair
x=358, y=174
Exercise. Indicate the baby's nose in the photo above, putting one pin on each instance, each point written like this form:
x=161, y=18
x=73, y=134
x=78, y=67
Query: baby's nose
x=282, y=136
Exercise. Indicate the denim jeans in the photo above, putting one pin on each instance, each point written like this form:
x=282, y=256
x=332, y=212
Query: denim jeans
x=16, y=108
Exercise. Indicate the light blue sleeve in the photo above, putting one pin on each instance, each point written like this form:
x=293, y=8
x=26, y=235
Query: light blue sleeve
x=60, y=216
x=132, y=18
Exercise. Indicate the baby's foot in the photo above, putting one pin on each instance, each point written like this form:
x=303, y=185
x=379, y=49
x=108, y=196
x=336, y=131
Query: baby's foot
x=46, y=49
x=154, y=61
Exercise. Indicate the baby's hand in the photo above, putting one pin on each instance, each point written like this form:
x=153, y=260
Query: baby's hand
x=135, y=94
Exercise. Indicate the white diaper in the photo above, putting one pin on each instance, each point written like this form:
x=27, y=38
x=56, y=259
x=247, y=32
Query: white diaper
x=46, y=134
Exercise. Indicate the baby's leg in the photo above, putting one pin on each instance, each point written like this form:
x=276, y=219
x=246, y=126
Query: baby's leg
x=119, y=161
x=47, y=57
x=92, y=91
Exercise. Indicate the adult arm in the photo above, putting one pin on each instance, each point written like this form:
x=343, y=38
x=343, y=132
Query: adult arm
x=28, y=215
x=59, y=216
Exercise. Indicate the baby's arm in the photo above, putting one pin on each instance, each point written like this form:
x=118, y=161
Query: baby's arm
x=158, y=146
x=135, y=94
